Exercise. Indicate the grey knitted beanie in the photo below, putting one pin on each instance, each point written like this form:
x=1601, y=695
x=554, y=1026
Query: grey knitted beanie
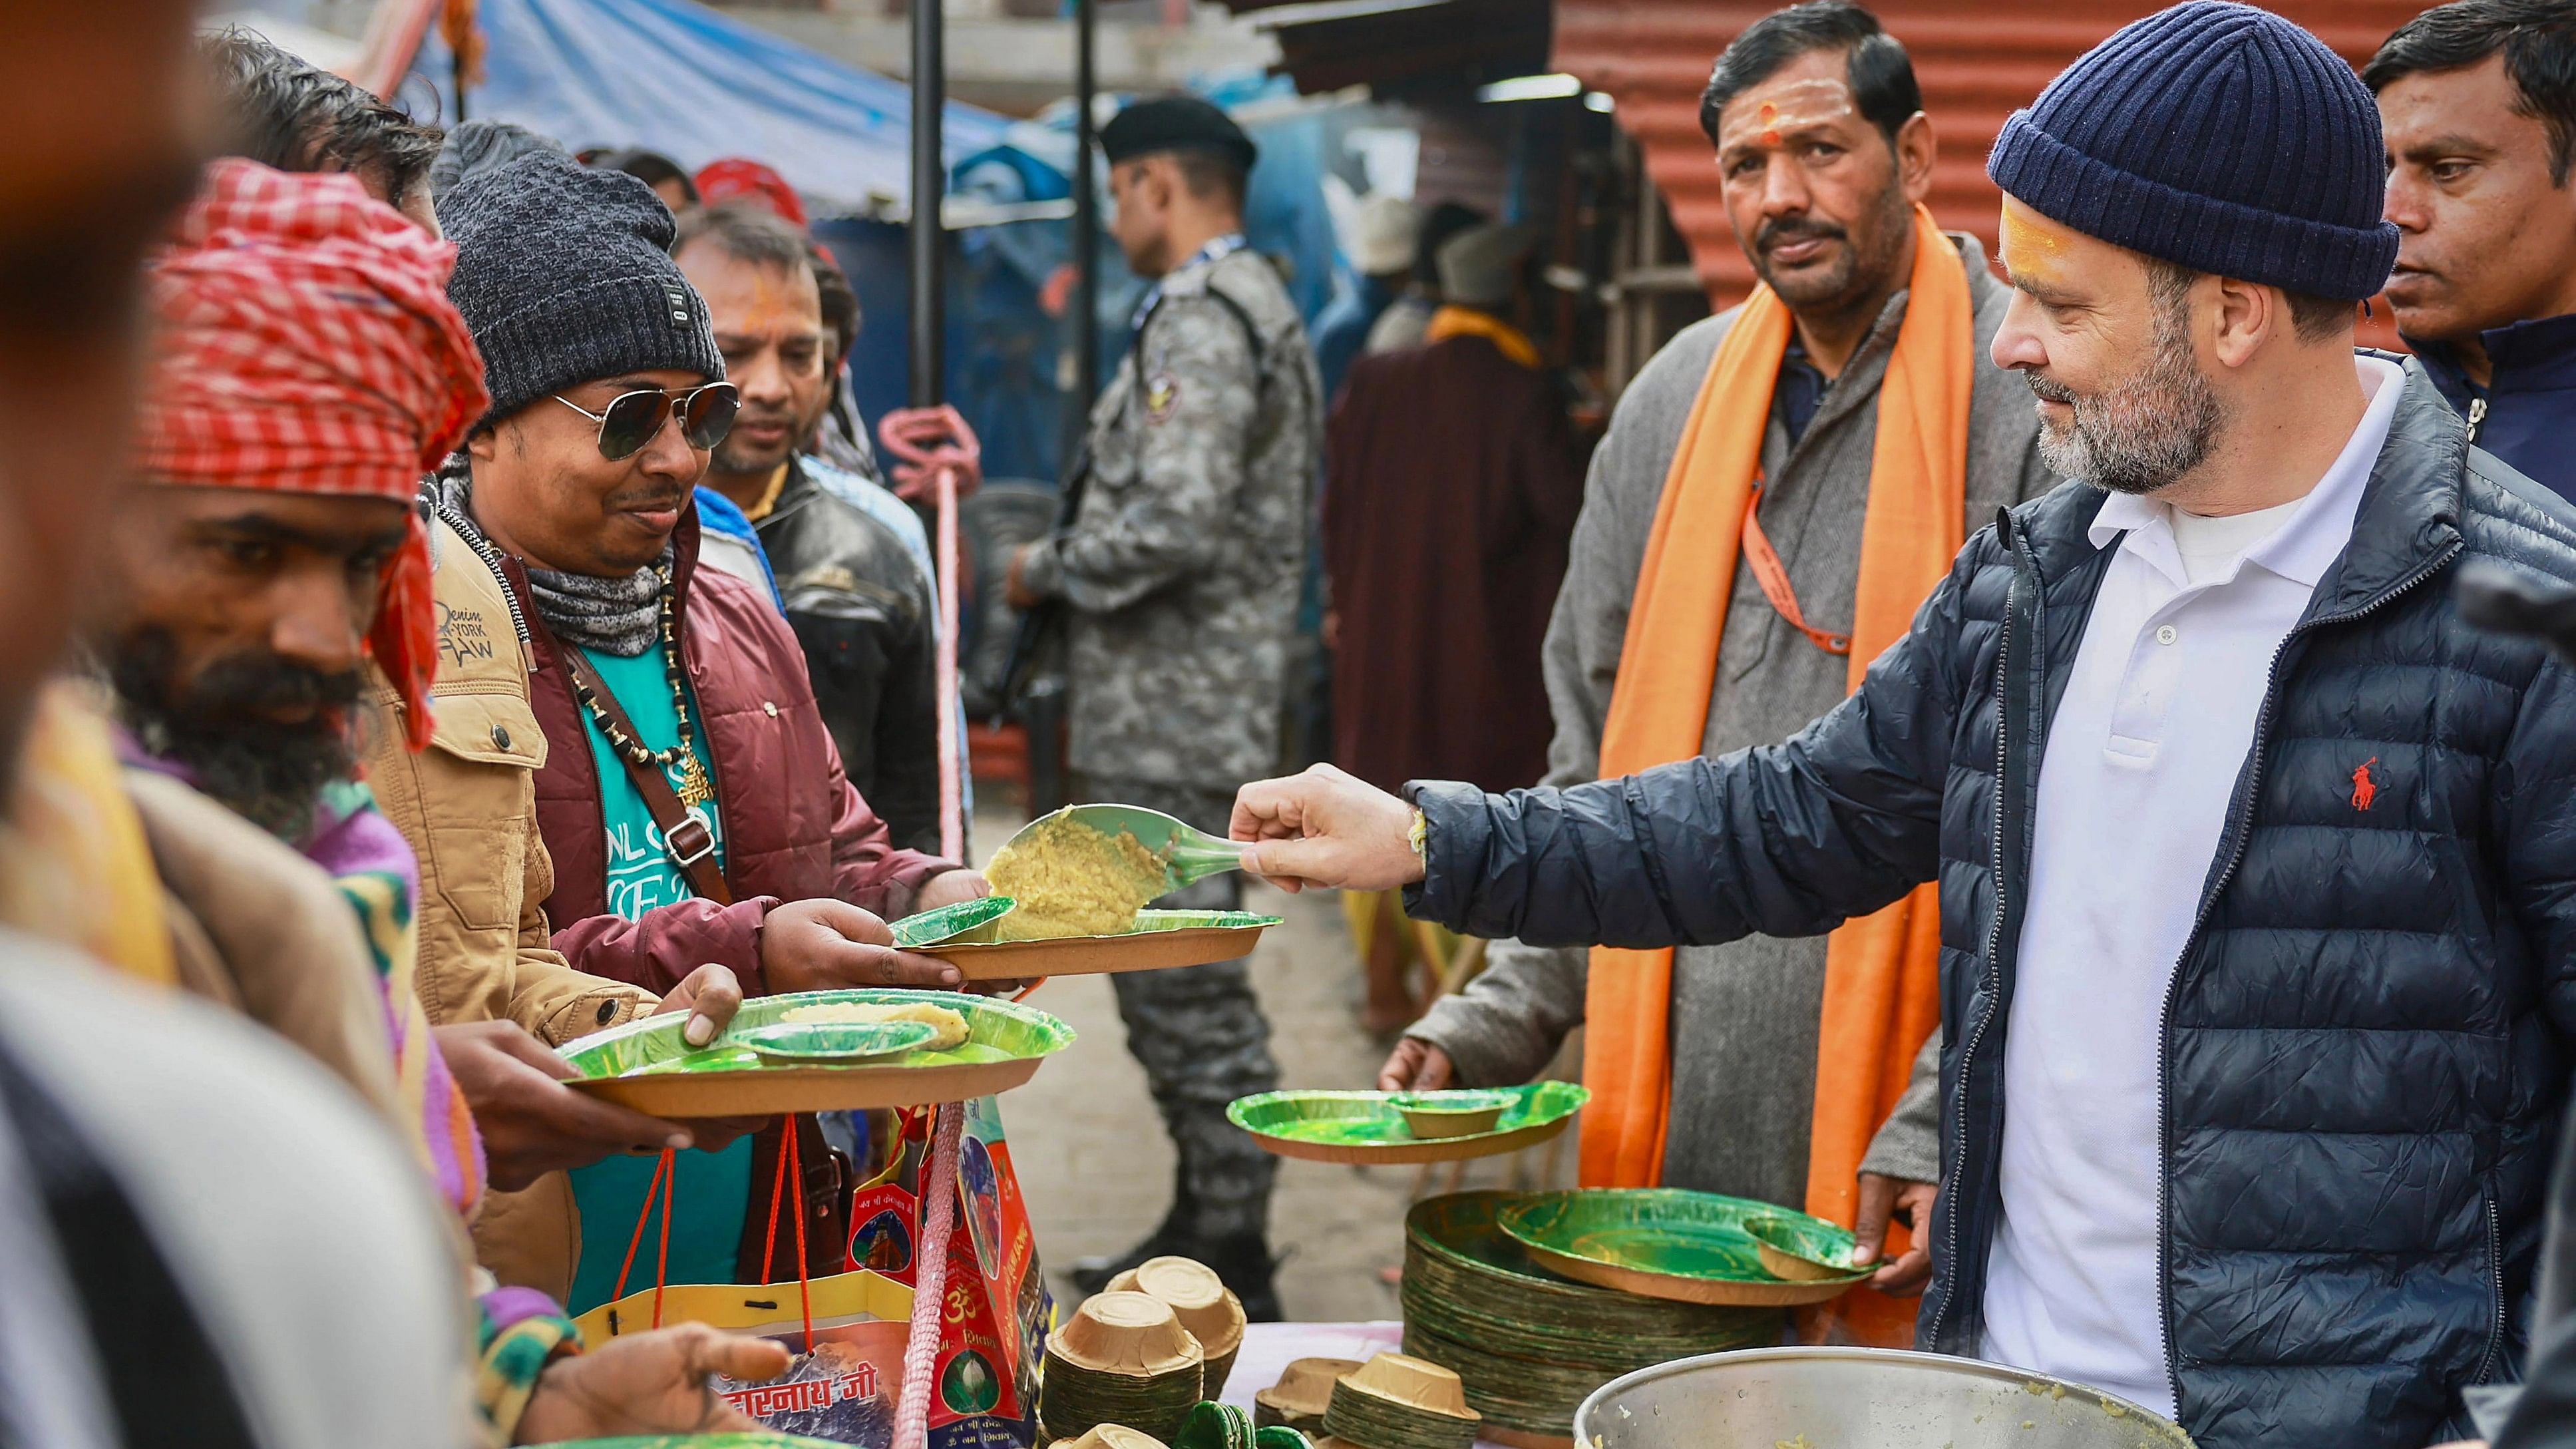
x=564, y=275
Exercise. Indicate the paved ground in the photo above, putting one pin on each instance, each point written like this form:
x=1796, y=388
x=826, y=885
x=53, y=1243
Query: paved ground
x=1097, y=1169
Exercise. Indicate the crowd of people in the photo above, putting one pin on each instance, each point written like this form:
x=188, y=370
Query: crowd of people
x=2015, y=768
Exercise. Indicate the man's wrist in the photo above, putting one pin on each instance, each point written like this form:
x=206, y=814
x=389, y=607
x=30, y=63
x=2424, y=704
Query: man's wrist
x=1041, y=573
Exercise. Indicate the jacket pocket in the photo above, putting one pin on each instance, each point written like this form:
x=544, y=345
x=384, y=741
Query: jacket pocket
x=476, y=787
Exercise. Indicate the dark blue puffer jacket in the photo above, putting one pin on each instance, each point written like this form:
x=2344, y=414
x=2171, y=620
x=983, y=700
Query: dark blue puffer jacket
x=2363, y=1043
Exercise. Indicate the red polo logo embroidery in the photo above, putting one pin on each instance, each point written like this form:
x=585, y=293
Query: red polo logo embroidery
x=2365, y=791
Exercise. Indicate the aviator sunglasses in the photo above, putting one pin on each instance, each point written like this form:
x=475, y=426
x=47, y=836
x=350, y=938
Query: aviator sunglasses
x=632, y=419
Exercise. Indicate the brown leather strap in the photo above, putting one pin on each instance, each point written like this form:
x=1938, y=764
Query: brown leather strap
x=1774, y=578
x=686, y=837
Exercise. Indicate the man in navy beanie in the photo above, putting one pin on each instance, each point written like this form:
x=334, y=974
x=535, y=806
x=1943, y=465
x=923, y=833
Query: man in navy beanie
x=2258, y=863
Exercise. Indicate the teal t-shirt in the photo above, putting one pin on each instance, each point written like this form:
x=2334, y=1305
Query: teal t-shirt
x=714, y=1189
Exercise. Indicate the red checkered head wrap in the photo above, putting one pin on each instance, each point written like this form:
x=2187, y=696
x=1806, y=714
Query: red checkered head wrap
x=739, y=178
x=307, y=345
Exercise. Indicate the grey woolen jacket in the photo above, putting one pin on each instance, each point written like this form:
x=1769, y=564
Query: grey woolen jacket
x=1745, y=1015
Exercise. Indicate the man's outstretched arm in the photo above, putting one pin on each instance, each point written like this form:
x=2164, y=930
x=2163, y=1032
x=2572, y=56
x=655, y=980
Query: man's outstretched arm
x=1787, y=840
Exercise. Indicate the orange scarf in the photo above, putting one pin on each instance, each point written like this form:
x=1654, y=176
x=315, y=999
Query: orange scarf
x=1881, y=979
x=1508, y=340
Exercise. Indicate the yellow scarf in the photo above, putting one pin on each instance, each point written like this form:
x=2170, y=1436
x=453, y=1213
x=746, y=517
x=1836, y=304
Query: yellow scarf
x=1508, y=340
x=74, y=864
x=1881, y=971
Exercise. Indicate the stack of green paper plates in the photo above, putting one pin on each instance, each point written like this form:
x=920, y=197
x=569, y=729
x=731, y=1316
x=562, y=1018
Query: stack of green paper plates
x=1369, y=1128
x=1692, y=1247
x=1530, y=1345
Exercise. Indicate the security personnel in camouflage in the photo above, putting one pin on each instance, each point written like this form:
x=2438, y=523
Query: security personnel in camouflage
x=1180, y=572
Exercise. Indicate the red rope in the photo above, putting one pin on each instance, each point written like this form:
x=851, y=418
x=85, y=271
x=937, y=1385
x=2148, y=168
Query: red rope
x=777, y=1194
x=804, y=1292
x=662, y=1265
x=646, y=1216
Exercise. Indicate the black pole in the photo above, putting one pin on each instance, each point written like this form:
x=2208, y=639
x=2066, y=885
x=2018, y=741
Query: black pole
x=1086, y=225
x=929, y=184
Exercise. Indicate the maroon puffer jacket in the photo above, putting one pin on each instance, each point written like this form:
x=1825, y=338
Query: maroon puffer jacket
x=794, y=827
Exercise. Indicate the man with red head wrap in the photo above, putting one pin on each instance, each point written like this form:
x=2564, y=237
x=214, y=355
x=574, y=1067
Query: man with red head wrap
x=310, y=369
x=739, y=178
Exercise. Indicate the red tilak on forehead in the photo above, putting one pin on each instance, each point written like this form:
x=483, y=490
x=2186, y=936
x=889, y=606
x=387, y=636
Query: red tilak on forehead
x=1797, y=103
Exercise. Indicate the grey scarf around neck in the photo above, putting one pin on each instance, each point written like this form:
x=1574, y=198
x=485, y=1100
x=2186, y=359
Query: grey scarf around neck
x=619, y=616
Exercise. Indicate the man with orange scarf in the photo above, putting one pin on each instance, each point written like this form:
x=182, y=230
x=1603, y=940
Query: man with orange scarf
x=1779, y=489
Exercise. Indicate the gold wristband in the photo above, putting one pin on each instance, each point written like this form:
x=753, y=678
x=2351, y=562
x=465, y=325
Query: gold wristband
x=1419, y=837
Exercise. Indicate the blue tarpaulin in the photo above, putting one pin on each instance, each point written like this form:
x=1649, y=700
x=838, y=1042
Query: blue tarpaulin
x=697, y=86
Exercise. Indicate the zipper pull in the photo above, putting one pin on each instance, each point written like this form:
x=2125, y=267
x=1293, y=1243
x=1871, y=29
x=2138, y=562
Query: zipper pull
x=2477, y=415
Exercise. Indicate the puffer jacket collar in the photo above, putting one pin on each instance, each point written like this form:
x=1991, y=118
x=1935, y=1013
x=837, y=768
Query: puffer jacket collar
x=2409, y=520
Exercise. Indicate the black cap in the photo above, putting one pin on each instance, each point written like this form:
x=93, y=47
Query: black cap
x=1175, y=123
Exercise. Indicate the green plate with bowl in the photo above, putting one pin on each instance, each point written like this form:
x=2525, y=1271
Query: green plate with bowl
x=1692, y=1247
x=1367, y=1128
x=645, y=1064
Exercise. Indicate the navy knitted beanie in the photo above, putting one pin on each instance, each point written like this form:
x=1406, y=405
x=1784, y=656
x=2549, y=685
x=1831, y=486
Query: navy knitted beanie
x=564, y=276
x=2216, y=136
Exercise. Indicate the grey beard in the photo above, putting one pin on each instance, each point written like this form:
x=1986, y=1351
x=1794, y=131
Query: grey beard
x=2143, y=433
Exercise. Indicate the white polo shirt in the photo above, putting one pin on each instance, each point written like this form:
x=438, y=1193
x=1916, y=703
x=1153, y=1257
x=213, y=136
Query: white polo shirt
x=2141, y=760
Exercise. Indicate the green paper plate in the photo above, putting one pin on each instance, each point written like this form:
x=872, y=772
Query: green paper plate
x=949, y=922
x=1367, y=1128
x=645, y=1063
x=833, y=1043
x=1661, y=1242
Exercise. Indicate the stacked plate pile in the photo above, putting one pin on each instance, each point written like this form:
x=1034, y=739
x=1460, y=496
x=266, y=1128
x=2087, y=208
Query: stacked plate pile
x=1122, y=1358
x=1207, y=1308
x=1530, y=1345
x=1397, y=1402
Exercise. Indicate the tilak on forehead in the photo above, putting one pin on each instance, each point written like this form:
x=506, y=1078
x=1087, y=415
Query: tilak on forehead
x=2033, y=245
x=1789, y=106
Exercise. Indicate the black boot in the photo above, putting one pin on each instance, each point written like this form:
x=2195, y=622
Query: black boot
x=1245, y=1265
x=1092, y=1275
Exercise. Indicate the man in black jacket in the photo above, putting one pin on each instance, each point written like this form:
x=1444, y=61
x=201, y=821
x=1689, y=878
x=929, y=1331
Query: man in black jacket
x=859, y=604
x=2258, y=864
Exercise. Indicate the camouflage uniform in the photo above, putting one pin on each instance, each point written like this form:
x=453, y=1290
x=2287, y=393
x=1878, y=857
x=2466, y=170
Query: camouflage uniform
x=1181, y=571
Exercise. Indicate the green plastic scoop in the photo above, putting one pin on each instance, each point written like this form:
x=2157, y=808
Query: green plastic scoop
x=1190, y=855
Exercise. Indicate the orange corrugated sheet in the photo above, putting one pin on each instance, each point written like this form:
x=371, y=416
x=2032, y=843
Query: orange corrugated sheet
x=1977, y=62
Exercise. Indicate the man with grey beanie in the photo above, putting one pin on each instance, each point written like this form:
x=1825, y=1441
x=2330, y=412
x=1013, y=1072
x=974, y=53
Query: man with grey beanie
x=691, y=805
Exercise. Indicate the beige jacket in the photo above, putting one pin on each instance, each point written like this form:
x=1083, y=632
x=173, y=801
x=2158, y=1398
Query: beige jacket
x=468, y=806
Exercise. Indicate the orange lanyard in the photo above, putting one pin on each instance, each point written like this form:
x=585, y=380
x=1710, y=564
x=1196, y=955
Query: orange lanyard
x=1774, y=578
